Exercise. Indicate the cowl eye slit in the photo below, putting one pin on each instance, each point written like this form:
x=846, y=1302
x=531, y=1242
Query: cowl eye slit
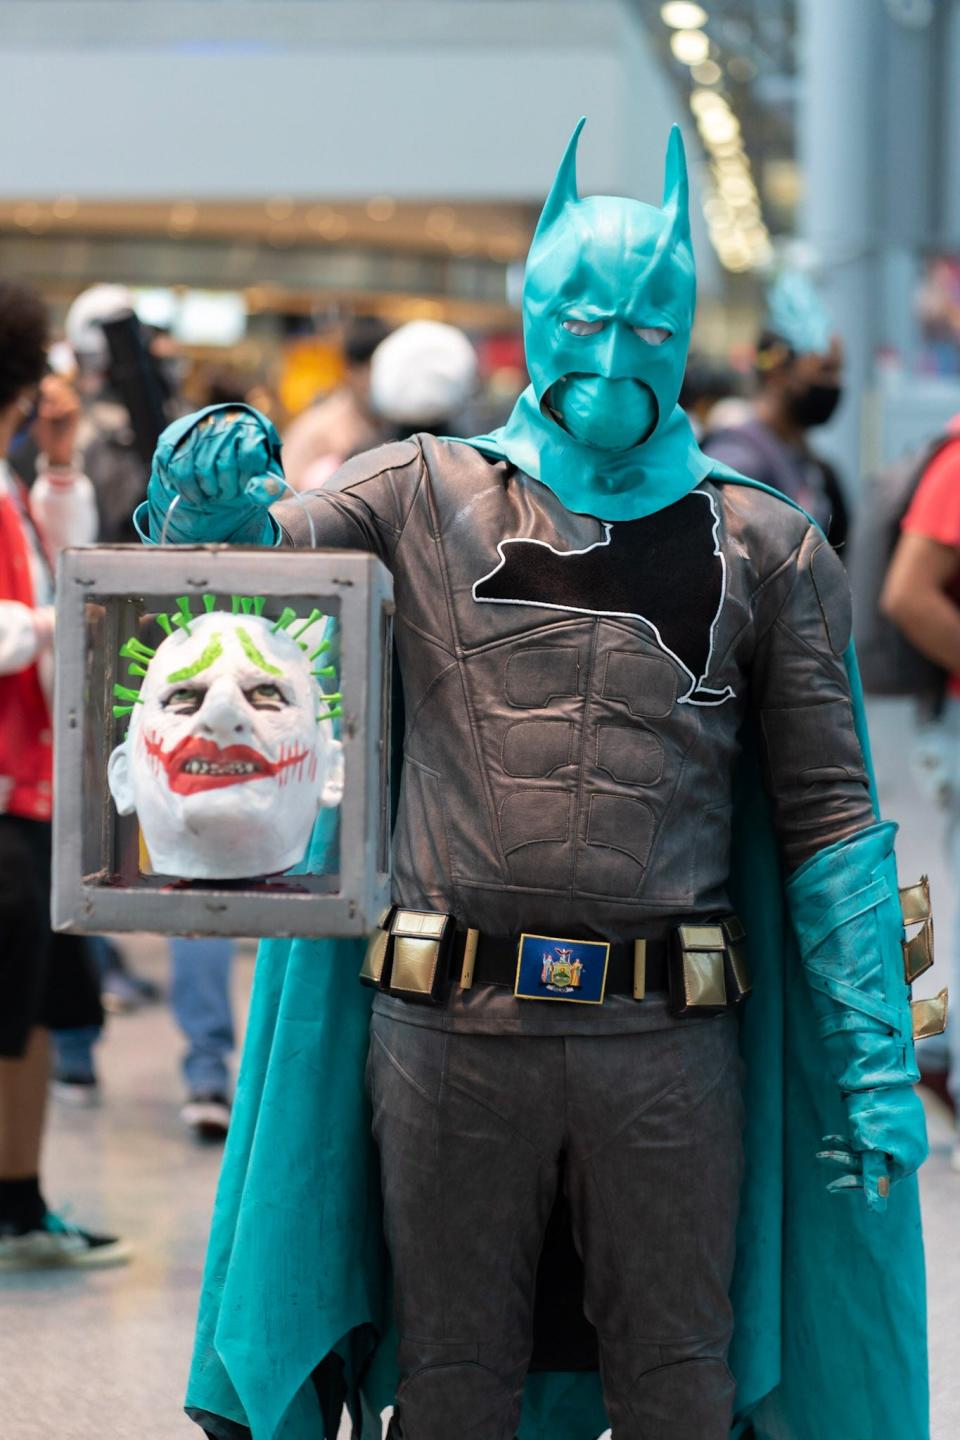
x=651, y=334
x=582, y=327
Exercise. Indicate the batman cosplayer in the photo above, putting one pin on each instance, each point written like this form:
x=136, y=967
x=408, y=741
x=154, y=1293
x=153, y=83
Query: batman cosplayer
x=608, y=1185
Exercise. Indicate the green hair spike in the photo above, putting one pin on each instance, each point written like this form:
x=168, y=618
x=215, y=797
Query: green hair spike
x=209, y=602
x=136, y=669
x=235, y=604
x=258, y=603
x=134, y=649
x=325, y=673
x=320, y=650
x=164, y=622
x=185, y=615
x=120, y=710
x=311, y=619
x=123, y=692
x=287, y=618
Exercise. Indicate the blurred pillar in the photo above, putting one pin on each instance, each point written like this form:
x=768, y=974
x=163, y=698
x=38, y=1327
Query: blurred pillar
x=949, y=217
x=842, y=102
x=905, y=159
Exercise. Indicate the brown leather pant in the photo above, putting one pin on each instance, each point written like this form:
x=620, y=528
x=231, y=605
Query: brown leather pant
x=473, y=1132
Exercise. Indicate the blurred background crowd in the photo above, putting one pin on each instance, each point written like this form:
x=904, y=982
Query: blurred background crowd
x=322, y=208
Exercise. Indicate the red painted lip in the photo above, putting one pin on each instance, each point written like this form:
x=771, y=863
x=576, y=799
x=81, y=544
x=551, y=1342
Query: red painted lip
x=216, y=767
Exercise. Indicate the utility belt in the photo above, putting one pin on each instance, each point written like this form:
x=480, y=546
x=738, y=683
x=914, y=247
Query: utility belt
x=416, y=955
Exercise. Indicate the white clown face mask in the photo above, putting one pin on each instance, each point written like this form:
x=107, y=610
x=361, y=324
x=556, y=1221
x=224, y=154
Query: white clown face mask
x=229, y=755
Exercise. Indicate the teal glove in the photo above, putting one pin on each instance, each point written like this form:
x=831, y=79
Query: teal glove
x=218, y=469
x=845, y=906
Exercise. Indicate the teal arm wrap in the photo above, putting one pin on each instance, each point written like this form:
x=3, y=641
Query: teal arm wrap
x=211, y=473
x=845, y=907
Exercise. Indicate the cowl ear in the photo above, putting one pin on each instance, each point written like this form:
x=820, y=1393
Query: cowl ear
x=676, y=188
x=563, y=191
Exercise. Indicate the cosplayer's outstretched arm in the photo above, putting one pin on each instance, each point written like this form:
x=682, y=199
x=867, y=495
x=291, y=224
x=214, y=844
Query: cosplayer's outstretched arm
x=843, y=892
x=216, y=471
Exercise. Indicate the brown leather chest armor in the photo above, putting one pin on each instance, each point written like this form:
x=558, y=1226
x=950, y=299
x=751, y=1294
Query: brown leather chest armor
x=574, y=691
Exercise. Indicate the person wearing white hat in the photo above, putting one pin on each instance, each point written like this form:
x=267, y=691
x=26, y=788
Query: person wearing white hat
x=422, y=375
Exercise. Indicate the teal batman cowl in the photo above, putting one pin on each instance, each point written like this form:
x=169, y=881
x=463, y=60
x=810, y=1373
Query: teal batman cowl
x=608, y=303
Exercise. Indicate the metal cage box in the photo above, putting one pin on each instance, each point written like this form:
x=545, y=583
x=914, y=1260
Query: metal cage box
x=100, y=881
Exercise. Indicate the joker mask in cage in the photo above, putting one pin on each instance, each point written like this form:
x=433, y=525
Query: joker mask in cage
x=230, y=751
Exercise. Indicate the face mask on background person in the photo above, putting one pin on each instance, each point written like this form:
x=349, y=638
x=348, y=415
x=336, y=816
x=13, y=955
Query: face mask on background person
x=814, y=404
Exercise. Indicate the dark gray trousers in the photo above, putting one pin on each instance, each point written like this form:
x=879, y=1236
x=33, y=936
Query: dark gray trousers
x=471, y=1131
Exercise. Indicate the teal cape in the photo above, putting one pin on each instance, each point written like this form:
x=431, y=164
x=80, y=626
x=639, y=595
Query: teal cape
x=829, y=1299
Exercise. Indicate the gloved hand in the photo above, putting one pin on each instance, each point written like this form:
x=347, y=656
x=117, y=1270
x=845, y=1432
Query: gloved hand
x=218, y=469
x=845, y=906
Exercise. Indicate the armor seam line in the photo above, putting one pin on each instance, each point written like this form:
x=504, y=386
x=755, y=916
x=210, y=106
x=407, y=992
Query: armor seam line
x=416, y=492
x=425, y=635
x=578, y=807
x=678, y=906
x=825, y=663
x=435, y=774
x=758, y=593
x=548, y=627
x=384, y=470
x=493, y=819
x=412, y=720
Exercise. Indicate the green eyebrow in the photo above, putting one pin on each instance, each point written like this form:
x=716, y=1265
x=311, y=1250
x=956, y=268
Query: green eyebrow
x=212, y=652
x=253, y=654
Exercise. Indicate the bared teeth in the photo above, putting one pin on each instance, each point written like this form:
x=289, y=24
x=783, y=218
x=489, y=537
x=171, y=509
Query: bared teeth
x=215, y=767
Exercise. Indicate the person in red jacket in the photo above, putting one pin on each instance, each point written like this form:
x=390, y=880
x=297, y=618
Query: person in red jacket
x=46, y=980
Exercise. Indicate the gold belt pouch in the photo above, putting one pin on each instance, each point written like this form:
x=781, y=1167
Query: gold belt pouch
x=417, y=965
x=375, y=958
x=735, y=969
x=697, y=970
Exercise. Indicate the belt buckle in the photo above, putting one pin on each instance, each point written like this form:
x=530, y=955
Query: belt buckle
x=550, y=967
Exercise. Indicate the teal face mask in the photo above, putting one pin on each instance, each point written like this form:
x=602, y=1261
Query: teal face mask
x=607, y=414
x=609, y=293
x=608, y=304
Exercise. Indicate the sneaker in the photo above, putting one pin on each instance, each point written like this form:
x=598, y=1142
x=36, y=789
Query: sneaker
x=58, y=1245
x=208, y=1116
x=81, y=1091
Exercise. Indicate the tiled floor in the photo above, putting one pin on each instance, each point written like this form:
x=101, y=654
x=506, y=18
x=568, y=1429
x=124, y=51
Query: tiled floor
x=103, y=1356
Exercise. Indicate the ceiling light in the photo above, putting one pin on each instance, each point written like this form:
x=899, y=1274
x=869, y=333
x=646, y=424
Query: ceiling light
x=728, y=150
x=707, y=74
x=717, y=127
x=440, y=221
x=737, y=188
x=279, y=207
x=65, y=207
x=183, y=216
x=717, y=211
x=683, y=15
x=703, y=100
x=27, y=214
x=381, y=207
x=336, y=227
x=690, y=47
